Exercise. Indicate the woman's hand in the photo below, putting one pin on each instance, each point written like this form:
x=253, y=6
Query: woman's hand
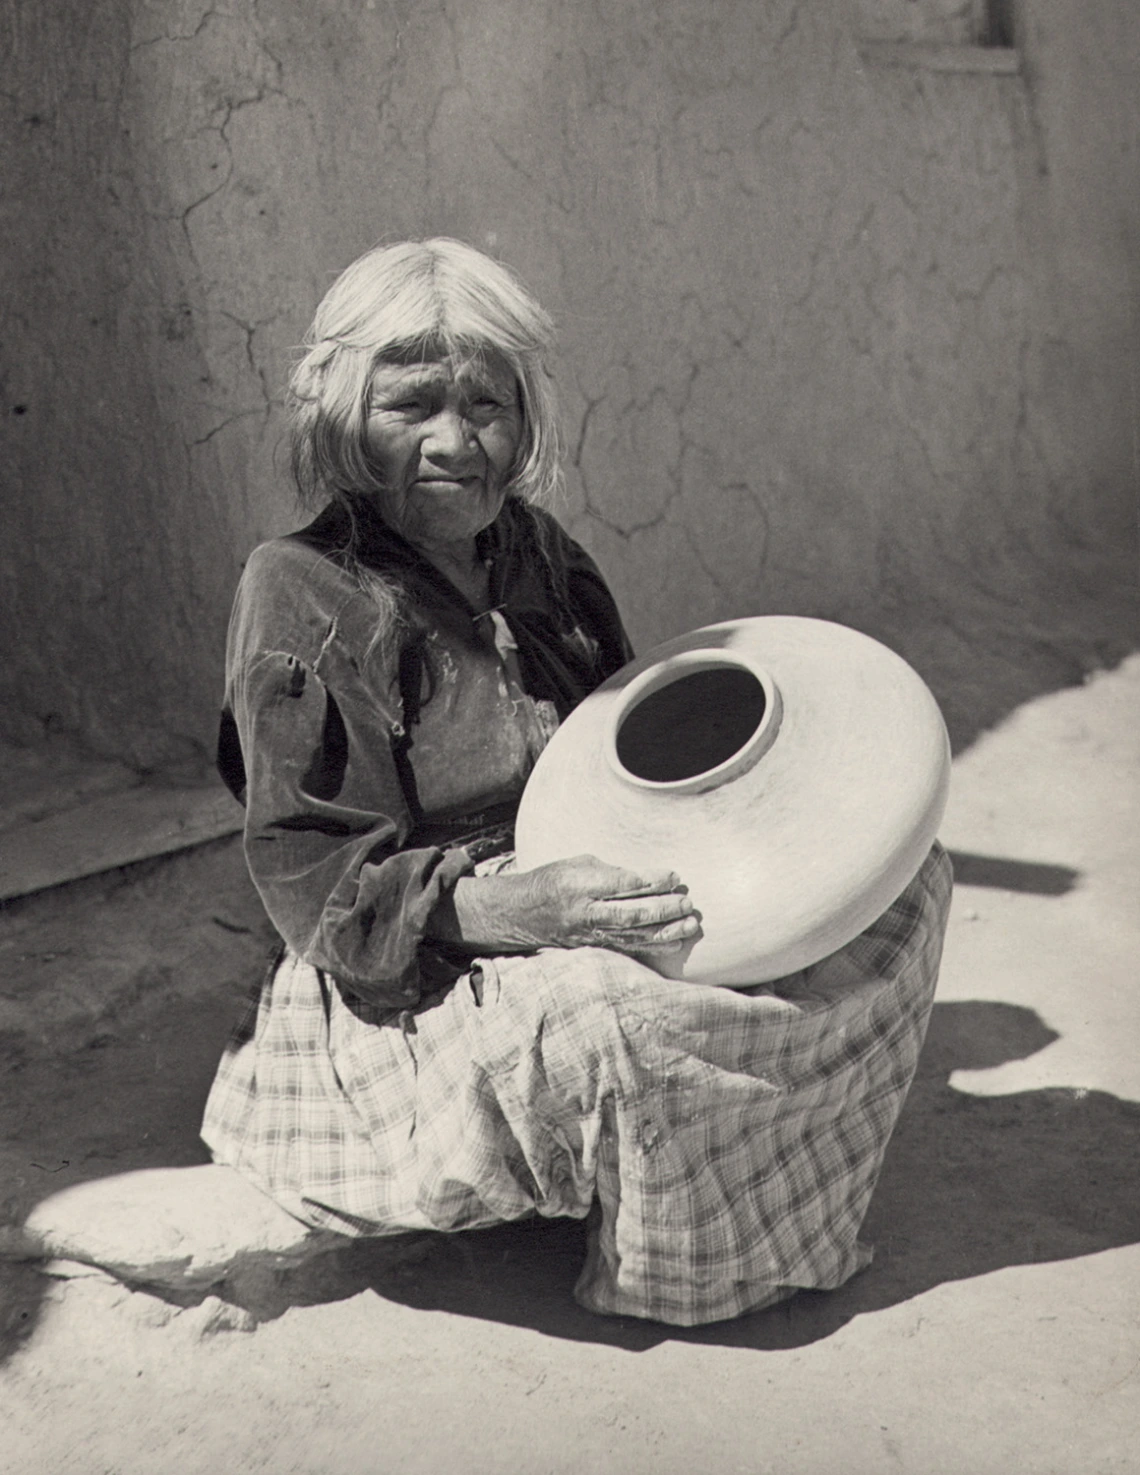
x=582, y=902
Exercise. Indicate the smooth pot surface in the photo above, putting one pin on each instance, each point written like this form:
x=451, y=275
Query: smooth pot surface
x=793, y=772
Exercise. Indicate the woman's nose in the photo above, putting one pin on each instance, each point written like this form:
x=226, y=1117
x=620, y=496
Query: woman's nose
x=449, y=434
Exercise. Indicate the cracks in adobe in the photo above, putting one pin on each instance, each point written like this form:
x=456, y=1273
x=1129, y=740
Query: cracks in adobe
x=228, y=107
x=250, y=330
x=538, y=183
x=753, y=147
x=231, y=106
x=446, y=90
x=172, y=37
x=264, y=411
x=202, y=440
x=386, y=83
x=1023, y=430
x=230, y=65
x=789, y=28
x=590, y=507
x=577, y=455
x=880, y=338
x=673, y=474
x=713, y=575
x=579, y=446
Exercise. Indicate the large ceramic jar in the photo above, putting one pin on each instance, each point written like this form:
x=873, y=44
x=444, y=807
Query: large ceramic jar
x=793, y=772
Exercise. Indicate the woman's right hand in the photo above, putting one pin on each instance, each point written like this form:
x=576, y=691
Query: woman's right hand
x=580, y=902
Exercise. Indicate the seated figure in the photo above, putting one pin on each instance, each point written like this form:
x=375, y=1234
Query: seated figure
x=446, y=1042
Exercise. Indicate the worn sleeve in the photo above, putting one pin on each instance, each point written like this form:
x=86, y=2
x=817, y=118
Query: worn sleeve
x=326, y=816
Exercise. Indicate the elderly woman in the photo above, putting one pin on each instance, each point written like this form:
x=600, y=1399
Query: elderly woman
x=445, y=1042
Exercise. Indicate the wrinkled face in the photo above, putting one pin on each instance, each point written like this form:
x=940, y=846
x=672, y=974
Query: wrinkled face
x=443, y=435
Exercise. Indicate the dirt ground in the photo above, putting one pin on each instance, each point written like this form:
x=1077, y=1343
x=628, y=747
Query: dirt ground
x=997, y=1330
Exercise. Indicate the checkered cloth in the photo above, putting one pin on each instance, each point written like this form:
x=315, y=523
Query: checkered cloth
x=732, y=1138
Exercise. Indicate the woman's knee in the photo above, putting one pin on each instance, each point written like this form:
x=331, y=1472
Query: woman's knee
x=576, y=980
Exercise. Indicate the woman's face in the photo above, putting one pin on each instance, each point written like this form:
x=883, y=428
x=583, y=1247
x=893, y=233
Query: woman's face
x=443, y=435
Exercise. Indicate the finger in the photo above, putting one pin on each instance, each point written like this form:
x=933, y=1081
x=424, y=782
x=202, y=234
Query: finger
x=662, y=885
x=641, y=946
x=674, y=933
x=645, y=949
x=678, y=933
x=624, y=915
x=621, y=883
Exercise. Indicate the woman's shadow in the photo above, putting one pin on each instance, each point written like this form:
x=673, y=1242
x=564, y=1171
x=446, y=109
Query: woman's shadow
x=971, y=1184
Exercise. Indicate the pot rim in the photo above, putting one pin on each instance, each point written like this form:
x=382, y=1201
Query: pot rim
x=664, y=673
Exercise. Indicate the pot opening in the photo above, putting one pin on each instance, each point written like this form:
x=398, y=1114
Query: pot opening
x=690, y=725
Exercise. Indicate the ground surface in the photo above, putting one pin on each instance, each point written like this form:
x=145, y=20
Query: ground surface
x=997, y=1330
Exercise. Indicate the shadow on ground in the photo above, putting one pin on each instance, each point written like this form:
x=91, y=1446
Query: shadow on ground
x=117, y=993
x=998, y=872
x=988, y=642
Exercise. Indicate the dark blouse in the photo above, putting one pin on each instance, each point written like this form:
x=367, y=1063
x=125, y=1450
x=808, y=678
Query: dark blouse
x=379, y=756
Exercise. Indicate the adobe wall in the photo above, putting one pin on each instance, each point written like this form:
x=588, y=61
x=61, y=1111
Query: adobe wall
x=840, y=336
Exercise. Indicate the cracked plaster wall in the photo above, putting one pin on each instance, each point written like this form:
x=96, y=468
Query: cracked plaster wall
x=837, y=338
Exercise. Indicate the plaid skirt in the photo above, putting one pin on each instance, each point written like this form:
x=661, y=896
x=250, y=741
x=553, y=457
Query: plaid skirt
x=731, y=1138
